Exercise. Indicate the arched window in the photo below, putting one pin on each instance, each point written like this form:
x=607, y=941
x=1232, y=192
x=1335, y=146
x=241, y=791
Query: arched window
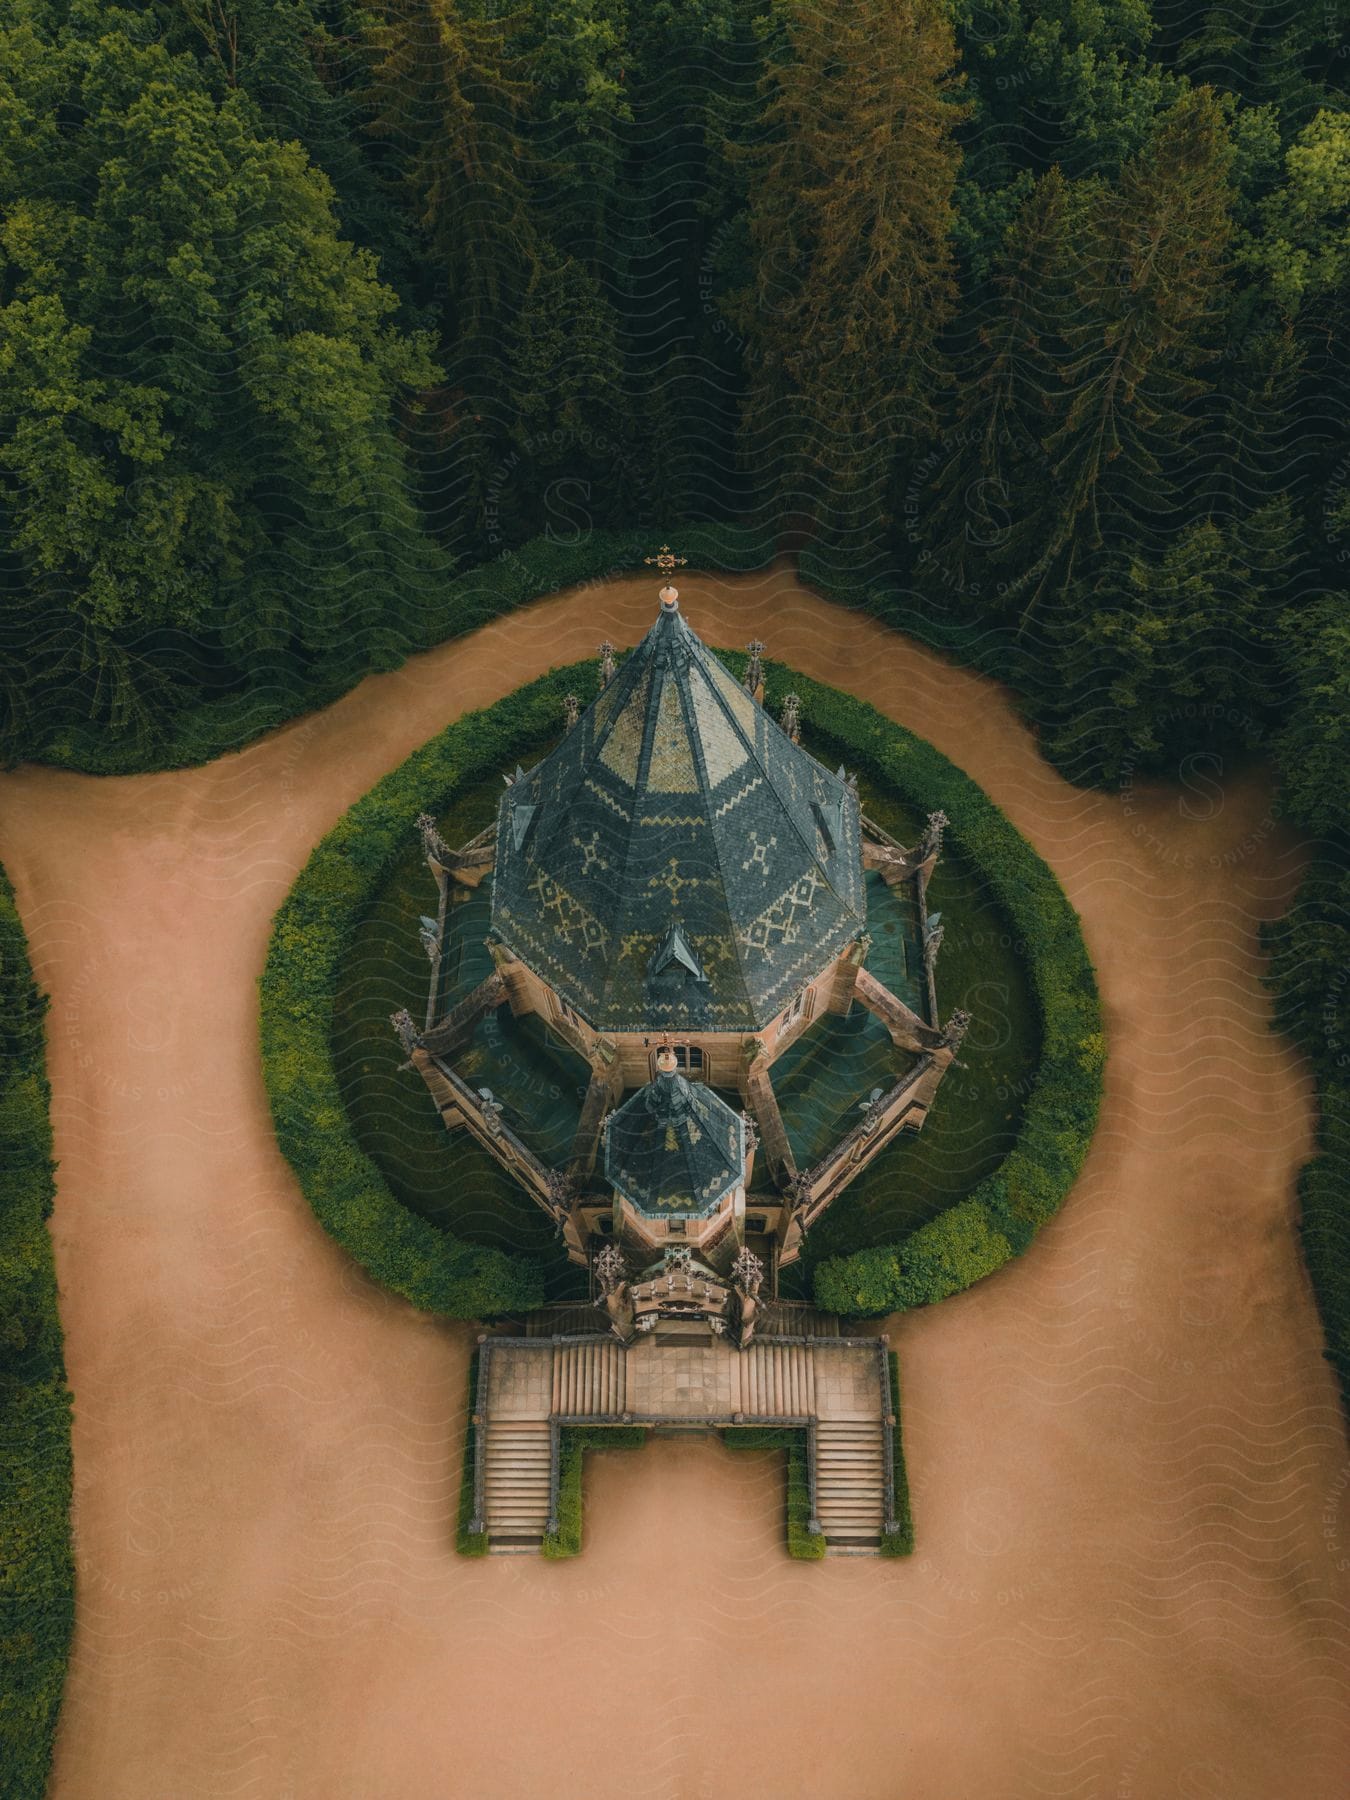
x=689, y=1060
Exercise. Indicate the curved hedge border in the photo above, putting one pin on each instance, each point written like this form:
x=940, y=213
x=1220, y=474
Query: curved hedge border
x=468, y=601
x=1000, y=1217
x=315, y=926
x=298, y=986
x=37, y=1570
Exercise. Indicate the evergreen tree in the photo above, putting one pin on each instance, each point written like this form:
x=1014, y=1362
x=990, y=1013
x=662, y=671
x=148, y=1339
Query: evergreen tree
x=1149, y=290
x=569, y=460
x=849, y=226
x=989, y=506
x=448, y=93
x=1160, y=655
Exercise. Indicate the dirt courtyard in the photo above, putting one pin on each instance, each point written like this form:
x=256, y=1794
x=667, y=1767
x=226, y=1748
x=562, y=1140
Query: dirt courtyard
x=1130, y=1487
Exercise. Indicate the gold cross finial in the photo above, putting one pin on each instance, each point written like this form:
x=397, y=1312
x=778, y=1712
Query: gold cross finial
x=664, y=560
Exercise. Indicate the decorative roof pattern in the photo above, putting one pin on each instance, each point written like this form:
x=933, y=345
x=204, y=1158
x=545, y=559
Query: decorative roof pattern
x=676, y=805
x=674, y=1149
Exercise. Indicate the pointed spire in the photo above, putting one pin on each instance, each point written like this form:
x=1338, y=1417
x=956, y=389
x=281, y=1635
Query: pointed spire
x=607, y=663
x=932, y=837
x=956, y=1028
x=792, y=718
x=610, y=1268
x=491, y=1108
x=571, y=710
x=408, y=1034
x=434, y=846
x=747, y=1271
x=754, y=671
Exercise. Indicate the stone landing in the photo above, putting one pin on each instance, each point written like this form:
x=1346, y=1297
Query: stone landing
x=834, y=1389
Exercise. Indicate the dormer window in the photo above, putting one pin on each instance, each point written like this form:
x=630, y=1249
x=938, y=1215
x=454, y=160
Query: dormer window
x=674, y=961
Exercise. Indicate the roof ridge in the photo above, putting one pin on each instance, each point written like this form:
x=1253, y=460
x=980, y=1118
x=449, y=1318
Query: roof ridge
x=763, y=764
x=689, y=713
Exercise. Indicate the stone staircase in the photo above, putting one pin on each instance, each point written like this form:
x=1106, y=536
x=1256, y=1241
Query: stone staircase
x=850, y=1482
x=589, y=1378
x=670, y=1380
x=516, y=1481
x=793, y=1318
x=777, y=1381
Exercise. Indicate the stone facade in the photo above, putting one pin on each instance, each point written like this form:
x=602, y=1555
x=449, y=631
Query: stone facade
x=679, y=893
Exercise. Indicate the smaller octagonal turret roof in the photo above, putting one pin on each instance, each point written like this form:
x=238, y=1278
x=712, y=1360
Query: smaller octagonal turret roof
x=675, y=1149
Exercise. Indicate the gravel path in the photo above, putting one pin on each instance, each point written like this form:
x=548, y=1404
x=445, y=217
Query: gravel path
x=1132, y=1499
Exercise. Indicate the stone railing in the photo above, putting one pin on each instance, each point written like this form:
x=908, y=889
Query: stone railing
x=874, y=1129
x=482, y=1119
x=557, y=1422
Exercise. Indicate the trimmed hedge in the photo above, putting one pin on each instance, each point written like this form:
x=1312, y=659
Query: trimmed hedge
x=441, y=1274
x=806, y=1546
x=37, y=1570
x=901, y=1542
x=576, y=1440
x=1324, y=1228
x=1002, y=1215
x=298, y=987
x=470, y=600
x=469, y=1543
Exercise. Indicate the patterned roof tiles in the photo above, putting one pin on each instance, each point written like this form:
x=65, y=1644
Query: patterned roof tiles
x=676, y=803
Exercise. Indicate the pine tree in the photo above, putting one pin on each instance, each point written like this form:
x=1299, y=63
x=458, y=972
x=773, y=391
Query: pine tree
x=448, y=93
x=849, y=227
x=570, y=453
x=988, y=506
x=1148, y=294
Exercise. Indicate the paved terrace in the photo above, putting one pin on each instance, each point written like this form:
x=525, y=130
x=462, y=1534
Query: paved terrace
x=835, y=1389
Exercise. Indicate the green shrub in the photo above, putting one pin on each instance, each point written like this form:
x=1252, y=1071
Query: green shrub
x=415, y=1258
x=310, y=935
x=1324, y=1227
x=1001, y=1216
x=576, y=1440
x=37, y=1575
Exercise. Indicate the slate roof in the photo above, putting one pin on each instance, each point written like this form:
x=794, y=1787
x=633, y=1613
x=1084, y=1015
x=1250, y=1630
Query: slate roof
x=674, y=1148
x=677, y=862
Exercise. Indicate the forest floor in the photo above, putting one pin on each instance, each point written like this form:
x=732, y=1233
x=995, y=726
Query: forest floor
x=1131, y=1497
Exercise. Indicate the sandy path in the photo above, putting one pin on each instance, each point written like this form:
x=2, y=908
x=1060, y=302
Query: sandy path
x=1132, y=1501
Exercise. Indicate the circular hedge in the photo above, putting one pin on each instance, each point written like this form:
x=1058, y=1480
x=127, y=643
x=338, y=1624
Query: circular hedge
x=315, y=926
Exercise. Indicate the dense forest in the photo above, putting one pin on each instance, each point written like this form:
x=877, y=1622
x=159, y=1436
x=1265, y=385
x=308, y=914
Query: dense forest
x=1026, y=324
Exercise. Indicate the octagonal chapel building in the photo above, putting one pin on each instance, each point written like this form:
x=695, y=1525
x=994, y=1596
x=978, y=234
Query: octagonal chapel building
x=680, y=896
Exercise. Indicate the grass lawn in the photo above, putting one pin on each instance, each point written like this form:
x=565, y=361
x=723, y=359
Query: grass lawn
x=448, y=1180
